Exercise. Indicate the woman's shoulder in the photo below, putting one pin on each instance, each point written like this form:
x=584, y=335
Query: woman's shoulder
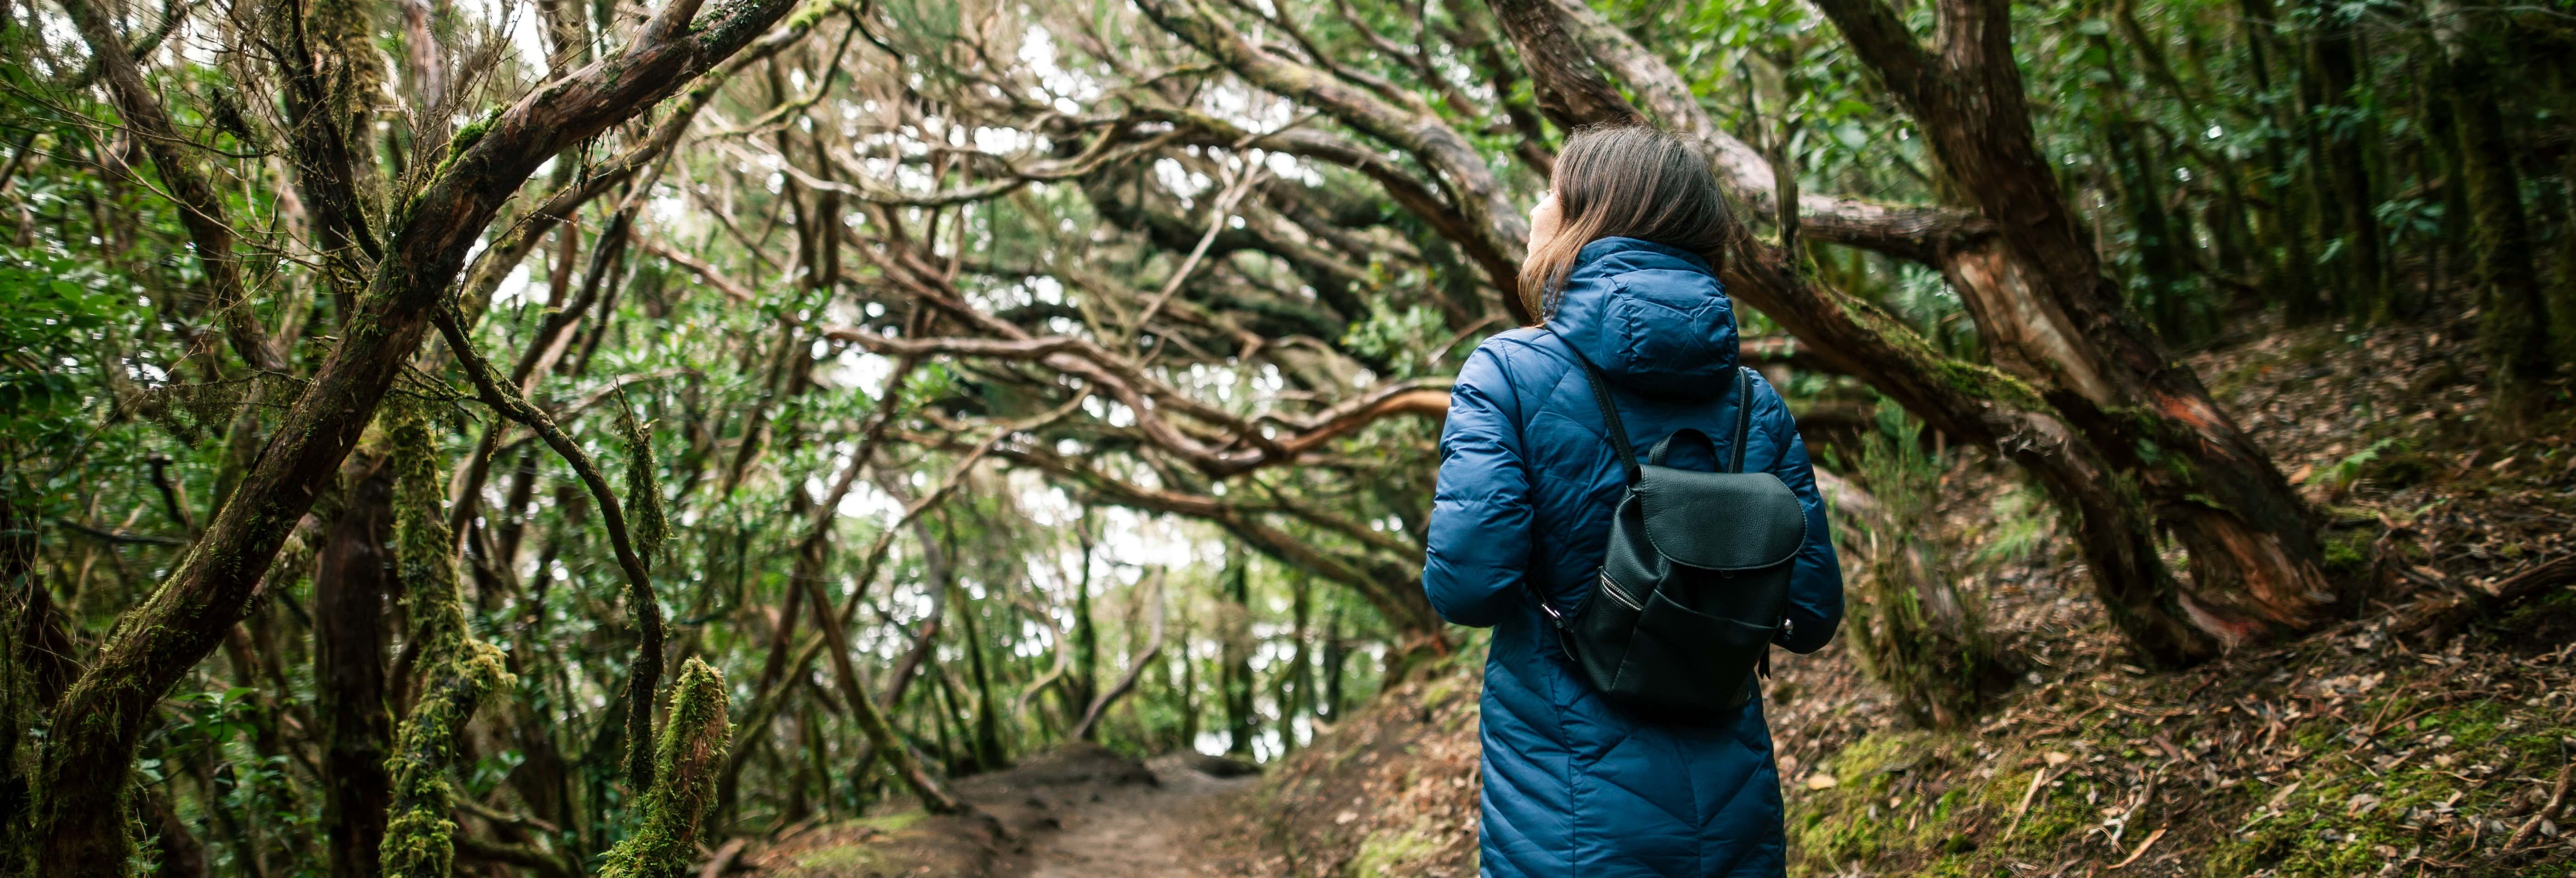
x=1509, y=363
x=1524, y=356
x=1521, y=348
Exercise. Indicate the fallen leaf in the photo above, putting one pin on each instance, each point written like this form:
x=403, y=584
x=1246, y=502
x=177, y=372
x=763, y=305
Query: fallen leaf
x=2282, y=796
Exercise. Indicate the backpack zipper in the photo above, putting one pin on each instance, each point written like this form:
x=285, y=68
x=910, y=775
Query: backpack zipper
x=1619, y=594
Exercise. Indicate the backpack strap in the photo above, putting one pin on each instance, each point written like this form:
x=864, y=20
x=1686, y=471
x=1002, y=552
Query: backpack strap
x=1743, y=414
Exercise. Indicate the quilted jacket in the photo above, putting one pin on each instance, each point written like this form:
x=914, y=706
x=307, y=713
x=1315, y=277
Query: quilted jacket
x=1572, y=785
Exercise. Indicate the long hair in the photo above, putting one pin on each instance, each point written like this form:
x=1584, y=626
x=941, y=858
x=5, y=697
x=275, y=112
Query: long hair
x=1627, y=181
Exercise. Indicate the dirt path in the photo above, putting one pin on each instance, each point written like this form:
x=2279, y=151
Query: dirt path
x=1168, y=828
x=1079, y=812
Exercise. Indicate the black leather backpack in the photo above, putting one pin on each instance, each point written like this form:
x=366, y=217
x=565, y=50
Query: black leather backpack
x=1696, y=584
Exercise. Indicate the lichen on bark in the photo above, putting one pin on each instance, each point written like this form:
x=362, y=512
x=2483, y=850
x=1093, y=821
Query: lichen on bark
x=687, y=760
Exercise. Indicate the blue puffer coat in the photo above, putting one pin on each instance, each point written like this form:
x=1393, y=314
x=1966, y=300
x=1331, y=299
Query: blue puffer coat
x=1573, y=787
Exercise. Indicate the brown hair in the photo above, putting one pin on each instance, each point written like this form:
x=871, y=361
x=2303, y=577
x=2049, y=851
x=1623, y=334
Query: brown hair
x=1627, y=181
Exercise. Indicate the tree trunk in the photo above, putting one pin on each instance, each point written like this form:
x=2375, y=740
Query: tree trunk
x=2049, y=315
x=181, y=854
x=987, y=745
x=2562, y=292
x=1336, y=656
x=1296, y=684
x=349, y=638
x=2514, y=317
x=1241, y=725
x=2291, y=274
x=2338, y=137
x=1084, y=685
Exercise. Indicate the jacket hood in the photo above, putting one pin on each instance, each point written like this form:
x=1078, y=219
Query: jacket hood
x=1652, y=317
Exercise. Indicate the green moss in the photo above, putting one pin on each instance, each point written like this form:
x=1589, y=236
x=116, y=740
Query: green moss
x=854, y=858
x=2347, y=554
x=690, y=754
x=651, y=526
x=805, y=18
x=419, y=837
x=1393, y=852
x=456, y=671
x=473, y=132
x=2344, y=822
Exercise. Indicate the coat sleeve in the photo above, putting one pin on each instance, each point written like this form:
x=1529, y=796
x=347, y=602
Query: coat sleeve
x=1479, y=542
x=1816, y=582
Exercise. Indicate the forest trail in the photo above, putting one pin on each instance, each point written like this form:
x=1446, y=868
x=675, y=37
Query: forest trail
x=1167, y=828
x=1079, y=812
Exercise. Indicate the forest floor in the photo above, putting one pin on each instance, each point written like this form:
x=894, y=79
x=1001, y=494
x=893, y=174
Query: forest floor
x=2432, y=733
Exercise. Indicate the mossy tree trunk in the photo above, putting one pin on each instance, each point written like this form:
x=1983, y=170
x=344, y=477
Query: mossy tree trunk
x=686, y=761
x=455, y=670
x=2049, y=315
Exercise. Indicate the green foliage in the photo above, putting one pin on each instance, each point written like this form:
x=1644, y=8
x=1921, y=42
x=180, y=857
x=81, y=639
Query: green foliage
x=56, y=314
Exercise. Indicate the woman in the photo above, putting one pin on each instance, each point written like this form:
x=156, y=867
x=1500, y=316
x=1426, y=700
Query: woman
x=1623, y=259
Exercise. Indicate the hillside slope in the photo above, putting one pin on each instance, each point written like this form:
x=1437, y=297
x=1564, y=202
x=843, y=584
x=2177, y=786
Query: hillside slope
x=2430, y=735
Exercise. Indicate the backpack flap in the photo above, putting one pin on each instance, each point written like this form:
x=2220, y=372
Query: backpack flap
x=1726, y=522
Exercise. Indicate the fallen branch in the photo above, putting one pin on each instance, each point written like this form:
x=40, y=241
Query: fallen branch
x=2435, y=617
x=2557, y=799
